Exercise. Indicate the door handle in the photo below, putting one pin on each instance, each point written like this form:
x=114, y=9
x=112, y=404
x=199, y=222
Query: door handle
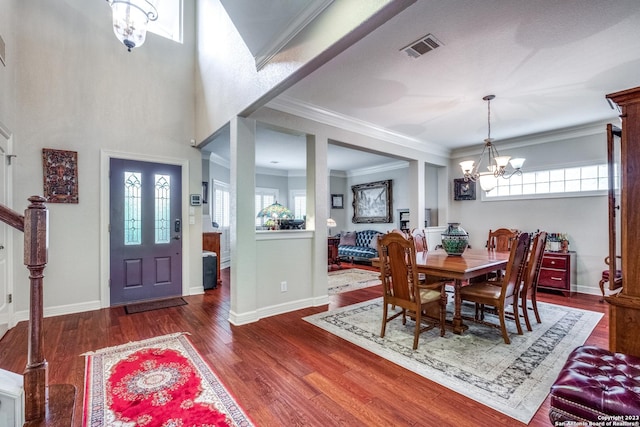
x=176, y=237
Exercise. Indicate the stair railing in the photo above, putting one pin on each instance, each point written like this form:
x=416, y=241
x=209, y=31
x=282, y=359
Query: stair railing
x=34, y=226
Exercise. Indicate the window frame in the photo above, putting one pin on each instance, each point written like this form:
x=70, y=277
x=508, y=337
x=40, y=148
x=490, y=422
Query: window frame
x=558, y=195
x=219, y=186
x=262, y=191
x=160, y=27
x=293, y=194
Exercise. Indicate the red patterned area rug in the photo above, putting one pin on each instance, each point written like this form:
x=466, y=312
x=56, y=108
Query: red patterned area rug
x=158, y=382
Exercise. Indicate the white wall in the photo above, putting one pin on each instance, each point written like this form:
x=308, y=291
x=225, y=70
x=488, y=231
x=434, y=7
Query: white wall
x=77, y=88
x=400, y=197
x=584, y=219
x=227, y=80
x=7, y=72
x=338, y=185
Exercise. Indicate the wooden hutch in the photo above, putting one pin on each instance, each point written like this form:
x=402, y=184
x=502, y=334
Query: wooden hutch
x=624, y=313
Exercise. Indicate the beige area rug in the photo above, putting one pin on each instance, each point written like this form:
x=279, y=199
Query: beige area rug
x=513, y=379
x=351, y=279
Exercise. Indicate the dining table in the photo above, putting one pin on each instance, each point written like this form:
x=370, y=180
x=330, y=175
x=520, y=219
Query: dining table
x=460, y=268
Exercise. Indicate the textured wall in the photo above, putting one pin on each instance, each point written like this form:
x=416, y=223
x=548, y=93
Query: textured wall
x=77, y=88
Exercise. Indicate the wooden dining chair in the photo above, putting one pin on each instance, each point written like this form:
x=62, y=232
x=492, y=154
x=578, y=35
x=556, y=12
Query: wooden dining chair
x=505, y=295
x=433, y=282
x=614, y=284
x=529, y=287
x=402, y=290
x=420, y=240
x=501, y=238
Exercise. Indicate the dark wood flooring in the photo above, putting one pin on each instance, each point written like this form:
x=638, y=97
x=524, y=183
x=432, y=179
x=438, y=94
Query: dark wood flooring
x=282, y=370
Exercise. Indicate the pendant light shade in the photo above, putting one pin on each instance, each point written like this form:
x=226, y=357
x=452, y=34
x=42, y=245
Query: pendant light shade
x=130, y=20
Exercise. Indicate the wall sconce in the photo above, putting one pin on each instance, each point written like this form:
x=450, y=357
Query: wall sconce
x=130, y=19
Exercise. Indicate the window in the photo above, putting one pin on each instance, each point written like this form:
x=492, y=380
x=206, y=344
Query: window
x=299, y=198
x=169, y=22
x=554, y=183
x=220, y=206
x=162, y=201
x=264, y=198
x=132, y=208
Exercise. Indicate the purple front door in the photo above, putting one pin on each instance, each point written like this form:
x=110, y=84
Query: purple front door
x=145, y=231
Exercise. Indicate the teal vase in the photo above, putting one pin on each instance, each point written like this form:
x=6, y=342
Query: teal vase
x=455, y=239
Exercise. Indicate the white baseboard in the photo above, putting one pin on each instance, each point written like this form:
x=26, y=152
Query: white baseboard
x=589, y=290
x=196, y=290
x=255, y=315
x=60, y=310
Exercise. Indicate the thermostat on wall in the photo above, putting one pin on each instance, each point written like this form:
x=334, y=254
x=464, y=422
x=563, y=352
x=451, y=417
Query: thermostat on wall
x=196, y=200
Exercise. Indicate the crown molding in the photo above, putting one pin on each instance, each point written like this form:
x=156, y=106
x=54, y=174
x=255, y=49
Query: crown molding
x=337, y=173
x=312, y=112
x=287, y=34
x=378, y=169
x=218, y=160
x=293, y=173
x=580, y=131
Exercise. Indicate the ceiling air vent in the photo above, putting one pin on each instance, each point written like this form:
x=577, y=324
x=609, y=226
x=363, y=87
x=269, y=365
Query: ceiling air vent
x=422, y=46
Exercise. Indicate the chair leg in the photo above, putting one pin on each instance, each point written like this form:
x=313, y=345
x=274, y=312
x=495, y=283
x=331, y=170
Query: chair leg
x=515, y=310
x=503, y=326
x=416, y=331
x=525, y=311
x=384, y=320
x=534, y=304
x=443, y=309
x=601, y=284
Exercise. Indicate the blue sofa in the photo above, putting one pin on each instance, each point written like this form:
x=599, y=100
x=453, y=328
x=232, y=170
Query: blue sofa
x=365, y=248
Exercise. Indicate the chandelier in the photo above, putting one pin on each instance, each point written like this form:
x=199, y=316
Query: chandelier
x=130, y=19
x=496, y=164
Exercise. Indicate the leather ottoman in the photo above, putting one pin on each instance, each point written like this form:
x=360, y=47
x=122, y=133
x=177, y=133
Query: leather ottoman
x=597, y=387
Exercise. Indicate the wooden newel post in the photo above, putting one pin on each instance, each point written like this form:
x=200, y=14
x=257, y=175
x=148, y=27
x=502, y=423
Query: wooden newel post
x=35, y=258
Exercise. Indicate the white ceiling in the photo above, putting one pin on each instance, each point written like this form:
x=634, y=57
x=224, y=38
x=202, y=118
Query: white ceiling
x=550, y=64
x=287, y=151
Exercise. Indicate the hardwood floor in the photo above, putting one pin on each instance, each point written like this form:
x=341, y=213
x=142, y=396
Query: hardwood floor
x=282, y=370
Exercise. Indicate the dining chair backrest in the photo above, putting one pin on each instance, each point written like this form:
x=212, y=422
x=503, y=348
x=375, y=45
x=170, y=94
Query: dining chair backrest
x=532, y=271
x=420, y=240
x=517, y=258
x=500, y=239
x=530, y=278
x=398, y=267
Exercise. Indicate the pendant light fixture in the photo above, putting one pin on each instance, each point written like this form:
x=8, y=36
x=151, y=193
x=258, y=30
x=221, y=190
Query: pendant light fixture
x=130, y=19
x=496, y=164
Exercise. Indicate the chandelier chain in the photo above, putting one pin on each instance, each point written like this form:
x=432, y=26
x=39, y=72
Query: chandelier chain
x=489, y=119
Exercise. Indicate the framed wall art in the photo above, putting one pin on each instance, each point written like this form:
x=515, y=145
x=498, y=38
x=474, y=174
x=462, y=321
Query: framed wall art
x=60, y=174
x=372, y=202
x=464, y=190
x=337, y=201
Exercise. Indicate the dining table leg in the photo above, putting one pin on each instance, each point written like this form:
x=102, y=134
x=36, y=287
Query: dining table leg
x=458, y=326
